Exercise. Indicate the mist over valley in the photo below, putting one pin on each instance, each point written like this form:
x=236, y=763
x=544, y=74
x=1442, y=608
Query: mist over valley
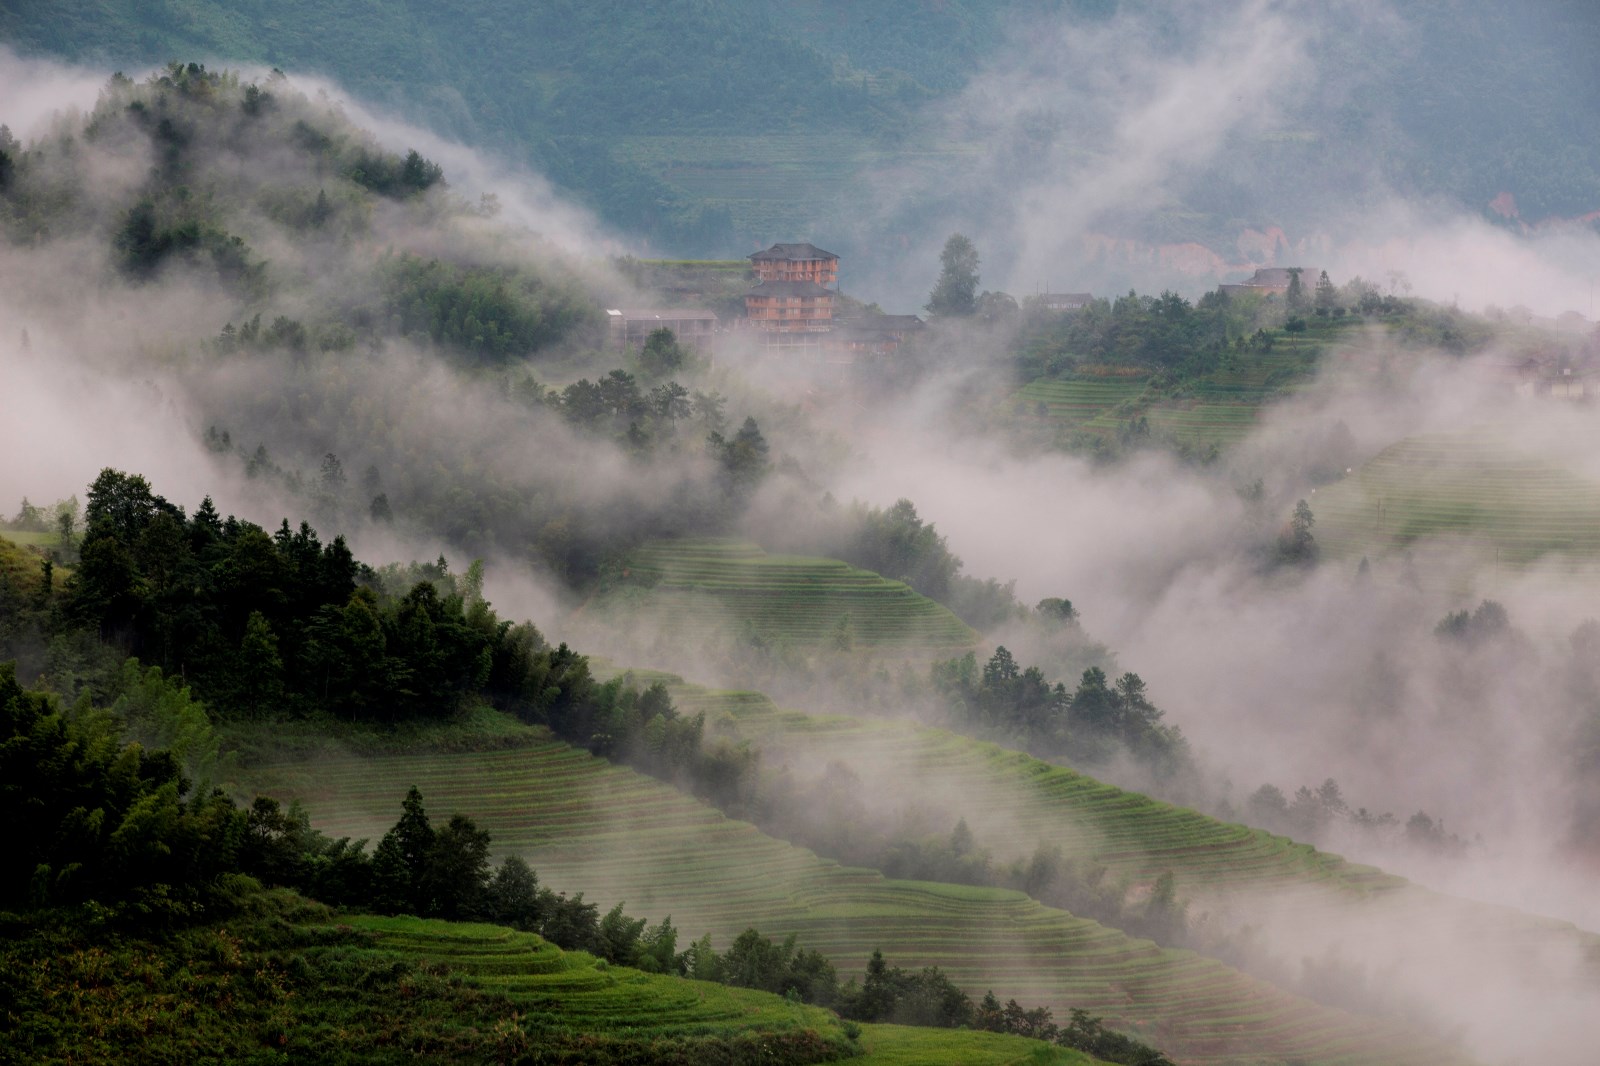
x=981, y=532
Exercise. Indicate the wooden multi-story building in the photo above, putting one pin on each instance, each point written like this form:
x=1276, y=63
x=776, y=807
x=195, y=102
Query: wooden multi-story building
x=791, y=303
x=789, y=307
x=796, y=262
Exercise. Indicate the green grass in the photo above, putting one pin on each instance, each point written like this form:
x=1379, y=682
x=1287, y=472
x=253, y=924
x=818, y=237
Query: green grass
x=1474, y=490
x=32, y=540
x=618, y=836
x=19, y=566
x=722, y=586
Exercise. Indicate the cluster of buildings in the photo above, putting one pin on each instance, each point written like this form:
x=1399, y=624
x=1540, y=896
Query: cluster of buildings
x=793, y=306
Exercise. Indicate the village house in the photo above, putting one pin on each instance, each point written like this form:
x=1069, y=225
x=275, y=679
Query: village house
x=629, y=328
x=796, y=262
x=1064, y=301
x=793, y=306
x=874, y=334
x=1272, y=281
x=791, y=303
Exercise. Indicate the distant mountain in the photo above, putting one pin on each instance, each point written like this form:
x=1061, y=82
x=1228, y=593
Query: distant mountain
x=710, y=126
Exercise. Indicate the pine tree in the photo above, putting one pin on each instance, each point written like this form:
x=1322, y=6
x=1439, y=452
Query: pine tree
x=258, y=672
x=1326, y=295
x=1296, y=296
x=955, y=294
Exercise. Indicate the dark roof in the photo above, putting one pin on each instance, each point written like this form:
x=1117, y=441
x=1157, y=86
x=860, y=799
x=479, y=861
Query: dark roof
x=792, y=253
x=672, y=314
x=883, y=324
x=789, y=288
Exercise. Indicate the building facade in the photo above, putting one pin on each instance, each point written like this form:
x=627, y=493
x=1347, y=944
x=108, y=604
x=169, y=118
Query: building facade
x=629, y=328
x=789, y=307
x=791, y=303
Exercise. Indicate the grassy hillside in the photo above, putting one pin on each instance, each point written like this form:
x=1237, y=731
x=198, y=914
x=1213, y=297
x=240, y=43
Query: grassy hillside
x=1472, y=489
x=19, y=567
x=619, y=836
x=715, y=586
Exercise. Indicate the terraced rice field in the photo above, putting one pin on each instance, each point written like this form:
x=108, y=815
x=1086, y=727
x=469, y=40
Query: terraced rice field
x=569, y=989
x=1220, y=408
x=1079, y=401
x=1472, y=489
x=711, y=586
x=1236, y=877
x=1204, y=423
x=1015, y=802
x=587, y=825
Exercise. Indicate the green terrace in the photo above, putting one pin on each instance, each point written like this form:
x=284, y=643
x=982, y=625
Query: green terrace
x=586, y=825
x=576, y=989
x=572, y=989
x=1016, y=802
x=1473, y=489
x=710, y=586
x=1219, y=408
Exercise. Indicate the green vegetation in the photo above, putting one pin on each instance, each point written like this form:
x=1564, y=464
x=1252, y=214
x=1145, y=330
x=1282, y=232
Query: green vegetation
x=1473, y=489
x=902, y=1045
x=492, y=313
x=1138, y=369
x=282, y=979
x=896, y=542
x=1100, y=721
x=124, y=870
x=578, y=992
x=711, y=586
